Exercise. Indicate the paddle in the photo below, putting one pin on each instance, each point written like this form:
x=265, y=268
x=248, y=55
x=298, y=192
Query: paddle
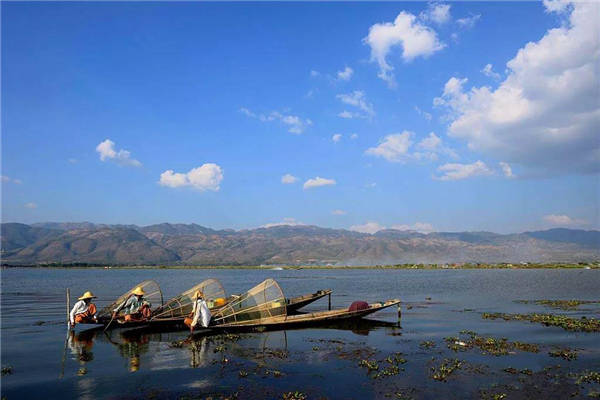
x=64, y=356
x=116, y=312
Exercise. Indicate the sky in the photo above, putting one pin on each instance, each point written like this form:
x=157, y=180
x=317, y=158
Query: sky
x=447, y=116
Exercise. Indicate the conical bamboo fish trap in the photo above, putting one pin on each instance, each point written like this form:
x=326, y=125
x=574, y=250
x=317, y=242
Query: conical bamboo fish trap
x=181, y=305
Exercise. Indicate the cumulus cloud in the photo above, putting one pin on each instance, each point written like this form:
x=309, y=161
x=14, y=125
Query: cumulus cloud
x=294, y=123
x=318, y=181
x=336, y=137
x=489, y=72
x=545, y=114
x=206, y=177
x=345, y=74
x=286, y=221
x=422, y=227
x=557, y=6
x=7, y=179
x=393, y=147
x=455, y=171
x=30, y=205
x=397, y=148
x=107, y=152
x=436, y=12
x=506, y=170
x=468, y=22
x=369, y=227
x=562, y=220
x=357, y=99
x=339, y=212
x=424, y=114
x=288, y=179
x=416, y=40
x=374, y=227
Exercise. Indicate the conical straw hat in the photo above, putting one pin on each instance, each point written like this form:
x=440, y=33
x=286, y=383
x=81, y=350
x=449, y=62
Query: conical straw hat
x=87, y=295
x=138, y=291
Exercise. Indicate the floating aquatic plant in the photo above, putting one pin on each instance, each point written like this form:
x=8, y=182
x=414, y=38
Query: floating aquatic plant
x=445, y=369
x=7, y=370
x=565, y=353
x=294, y=396
x=427, y=344
x=559, y=304
x=582, y=324
x=488, y=345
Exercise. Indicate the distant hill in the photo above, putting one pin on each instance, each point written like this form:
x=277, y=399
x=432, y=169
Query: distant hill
x=192, y=244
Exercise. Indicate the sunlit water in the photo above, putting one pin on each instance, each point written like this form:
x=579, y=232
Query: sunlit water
x=320, y=362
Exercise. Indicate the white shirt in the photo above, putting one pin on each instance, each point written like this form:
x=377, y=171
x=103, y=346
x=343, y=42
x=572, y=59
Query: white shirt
x=200, y=310
x=78, y=308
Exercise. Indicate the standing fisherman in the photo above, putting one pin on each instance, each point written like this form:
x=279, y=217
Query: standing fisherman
x=200, y=312
x=84, y=311
x=136, y=307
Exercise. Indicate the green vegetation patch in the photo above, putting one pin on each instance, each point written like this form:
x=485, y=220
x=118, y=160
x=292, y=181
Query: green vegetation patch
x=582, y=324
x=487, y=345
x=560, y=304
x=566, y=353
x=445, y=369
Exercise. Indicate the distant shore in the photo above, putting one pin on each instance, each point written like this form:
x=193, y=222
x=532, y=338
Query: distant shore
x=595, y=265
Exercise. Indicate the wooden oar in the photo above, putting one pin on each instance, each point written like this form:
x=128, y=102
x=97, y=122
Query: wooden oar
x=64, y=356
x=116, y=312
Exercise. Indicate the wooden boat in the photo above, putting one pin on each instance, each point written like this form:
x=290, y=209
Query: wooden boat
x=153, y=295
x=265, y=307
x=296, y=303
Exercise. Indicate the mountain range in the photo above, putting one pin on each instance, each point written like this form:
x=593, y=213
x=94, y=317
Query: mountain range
x=192, y=244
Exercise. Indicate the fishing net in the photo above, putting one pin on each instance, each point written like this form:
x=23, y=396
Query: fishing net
x=152, y=295
x=181, y=305
x=264, y=301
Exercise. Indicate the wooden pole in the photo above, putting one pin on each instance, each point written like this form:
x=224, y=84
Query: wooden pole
x=68, y=307
x=329, y=301
x=399, y=313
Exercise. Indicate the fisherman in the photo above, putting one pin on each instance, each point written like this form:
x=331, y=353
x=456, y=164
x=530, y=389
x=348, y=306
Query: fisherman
x=136, y=307
x=200, y=312
x=84, y=311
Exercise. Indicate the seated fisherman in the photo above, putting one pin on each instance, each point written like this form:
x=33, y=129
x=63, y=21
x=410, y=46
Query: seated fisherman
x=84, y=311
x=136, y=307
x=200, y=312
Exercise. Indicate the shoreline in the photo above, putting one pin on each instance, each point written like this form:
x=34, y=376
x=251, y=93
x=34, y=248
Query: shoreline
x=323, y=267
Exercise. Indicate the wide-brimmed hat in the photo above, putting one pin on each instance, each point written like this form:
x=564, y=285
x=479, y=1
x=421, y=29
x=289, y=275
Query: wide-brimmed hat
x=138, y=291
x=87, y=295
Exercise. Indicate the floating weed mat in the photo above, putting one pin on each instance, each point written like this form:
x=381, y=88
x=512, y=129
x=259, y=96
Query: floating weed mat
x=445, y=369
x=560, y=304
x=390, y=366
x=582, y=324
x=566, y=353
x=487, y=345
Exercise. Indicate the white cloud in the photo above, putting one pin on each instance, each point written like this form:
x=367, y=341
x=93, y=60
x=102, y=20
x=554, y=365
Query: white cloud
x=72, y=161
x=422, y=227
x=454, y=171
x=106, y=150
x=369, y=227
x=557, y=6
x=314, y=73
x=30, y=205
x=431, y=147
x=336, y=137
x=7, y=179
x=339, y=212
x=506, y=170
x=349, y=115
x=286, y=221
x=393, y=147
x=345, y=74
x=371, y=185
x=354, y=136
x=468, y=22
x=424, y=114
x=288, y=179
x=562, y=220
x=437, y=12
x=294, y=123
x=489, y=72
x=546, y=113
x=416, y=39
x=357, y=99
x=206, y=177
x=318, y=181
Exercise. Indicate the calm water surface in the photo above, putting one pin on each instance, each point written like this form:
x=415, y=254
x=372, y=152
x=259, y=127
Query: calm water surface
x=321, y=362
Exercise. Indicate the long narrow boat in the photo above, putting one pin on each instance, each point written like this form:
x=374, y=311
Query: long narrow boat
x=153, y=295
x=264, y=307
x=296, y=303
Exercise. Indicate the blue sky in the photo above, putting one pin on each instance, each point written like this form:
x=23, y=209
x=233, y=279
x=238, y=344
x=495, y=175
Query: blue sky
x=194, y=112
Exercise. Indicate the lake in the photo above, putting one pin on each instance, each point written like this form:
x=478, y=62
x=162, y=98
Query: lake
x=412, y=357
